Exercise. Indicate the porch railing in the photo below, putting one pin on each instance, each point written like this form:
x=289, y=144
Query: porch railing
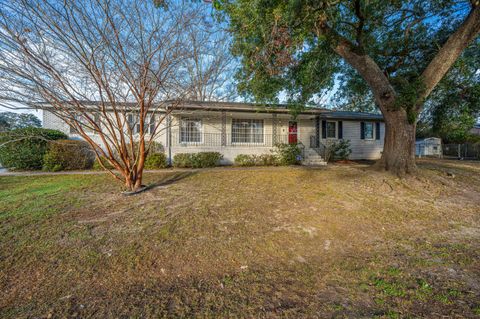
x=318, y=146
x=226, y=140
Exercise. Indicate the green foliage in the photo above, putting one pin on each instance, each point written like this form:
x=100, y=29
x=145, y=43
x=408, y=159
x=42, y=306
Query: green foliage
x=288, y=46
x=104, y=161
x=197, y=160
x=65, y=155
x=245, y=160
x=156, y=147
x=256, y=160
x=25, y=148
x=341, y=150
x=12, y=121
x=288, y=154
x=156, y=161
x=183, y=160
x=454, y=106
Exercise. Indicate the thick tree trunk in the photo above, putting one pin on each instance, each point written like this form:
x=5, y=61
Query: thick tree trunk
x=398, y=154
x=133, y=182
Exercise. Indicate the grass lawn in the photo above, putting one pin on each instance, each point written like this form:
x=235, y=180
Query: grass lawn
x=343, y=241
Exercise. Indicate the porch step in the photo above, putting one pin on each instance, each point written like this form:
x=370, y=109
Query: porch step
x=314, y=162
x=312, y=158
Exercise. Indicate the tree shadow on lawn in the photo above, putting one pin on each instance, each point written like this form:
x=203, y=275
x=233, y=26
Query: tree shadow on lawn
x=172, y=179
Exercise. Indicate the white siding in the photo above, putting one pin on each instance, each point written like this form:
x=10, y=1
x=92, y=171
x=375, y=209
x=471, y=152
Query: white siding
x=212, y=124
x=363, y=149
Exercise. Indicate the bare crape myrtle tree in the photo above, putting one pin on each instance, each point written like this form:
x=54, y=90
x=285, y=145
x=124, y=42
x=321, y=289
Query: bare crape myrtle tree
x=108, y=67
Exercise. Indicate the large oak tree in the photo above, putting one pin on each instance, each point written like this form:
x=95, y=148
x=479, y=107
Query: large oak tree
x=401, y=50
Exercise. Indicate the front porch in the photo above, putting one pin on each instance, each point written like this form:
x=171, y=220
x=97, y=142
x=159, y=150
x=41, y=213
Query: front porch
x=234, y=133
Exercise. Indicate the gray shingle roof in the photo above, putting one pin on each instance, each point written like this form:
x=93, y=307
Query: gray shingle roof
x=259, y=108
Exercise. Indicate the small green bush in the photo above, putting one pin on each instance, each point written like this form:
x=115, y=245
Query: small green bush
x=183, y=160
x=244, y=160
x=339, y=150
x=105, y=162
x=206, y=159
x=288, y=154
x=25, y=148
x=197, y=160
x=256, y=160
x=267, y=160
x=68, y=155
x=342, y=150
x=156, y=161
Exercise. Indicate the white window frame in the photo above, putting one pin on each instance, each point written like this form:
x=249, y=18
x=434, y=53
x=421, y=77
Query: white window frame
x=248, y=143
x=182, y=121
x=365, y=131
x=336, y=130
x=88, y=130
x=135, y=126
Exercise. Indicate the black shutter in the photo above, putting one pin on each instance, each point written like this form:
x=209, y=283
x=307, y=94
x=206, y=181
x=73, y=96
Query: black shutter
x=362, y=130
x=152, y=124
x=377, y=130
x=340, y=130
x=324, y=129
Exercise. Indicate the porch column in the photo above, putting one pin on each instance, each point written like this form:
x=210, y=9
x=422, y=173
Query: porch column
x=317, y=131
x=274, y=129
x=169, y=138
x=224, y=128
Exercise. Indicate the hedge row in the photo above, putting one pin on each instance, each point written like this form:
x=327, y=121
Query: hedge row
x=153, y=161
x=24, y=149
x=284, y=154
x=197, y=160
x=256, y=160
x=64, y=155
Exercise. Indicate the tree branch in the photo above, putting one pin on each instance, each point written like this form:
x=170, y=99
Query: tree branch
x=449, y=52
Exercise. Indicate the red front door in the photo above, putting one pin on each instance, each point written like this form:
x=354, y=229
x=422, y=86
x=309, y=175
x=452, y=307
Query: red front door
x=292, y=132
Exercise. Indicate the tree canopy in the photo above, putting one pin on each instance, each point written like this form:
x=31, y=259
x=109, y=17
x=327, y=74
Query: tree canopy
x=287, y=46
x=454, y=106
x=11, y=120
x=400, y=49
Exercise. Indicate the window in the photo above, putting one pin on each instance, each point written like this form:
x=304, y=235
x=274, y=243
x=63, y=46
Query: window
x=368, y=131
x=133, y=121
x=190, y=130
x=331, y=130
x=85, y=123
x=247, y=131
x=152, y=125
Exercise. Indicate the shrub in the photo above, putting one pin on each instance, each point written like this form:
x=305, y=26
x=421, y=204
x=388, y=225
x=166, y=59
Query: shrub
x=245, y=160
x=156, y=148
x=288, y=154
x=156, y=161
x=105, y=162
x=68, y=155
x=25, y=148
x=267, y=160
x=338, y=151
x=256, y=160
x=342, y=150
x=197, y=160
x=206, y=159
x=183, y=160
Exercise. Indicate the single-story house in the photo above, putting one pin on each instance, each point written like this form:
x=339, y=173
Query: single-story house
x=233, y=128
x=431, y=146
x=475, y=129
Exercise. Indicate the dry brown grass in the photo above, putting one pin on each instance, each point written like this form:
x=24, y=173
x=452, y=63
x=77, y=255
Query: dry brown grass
x=344, y=241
